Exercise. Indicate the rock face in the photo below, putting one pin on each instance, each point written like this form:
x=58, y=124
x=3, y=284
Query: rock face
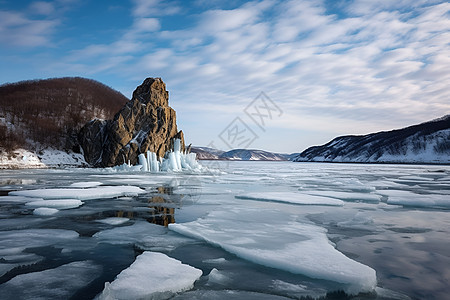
x=145, y=123
x=423, y=143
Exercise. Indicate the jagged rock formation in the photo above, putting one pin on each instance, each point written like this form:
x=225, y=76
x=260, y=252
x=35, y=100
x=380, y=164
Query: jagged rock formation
x=146, y=122
x=423, y=143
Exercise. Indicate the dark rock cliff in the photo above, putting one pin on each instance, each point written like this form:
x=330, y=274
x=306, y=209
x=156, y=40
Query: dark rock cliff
x=145, y=123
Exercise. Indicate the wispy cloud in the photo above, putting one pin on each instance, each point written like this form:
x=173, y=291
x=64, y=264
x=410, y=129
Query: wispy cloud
x=16, y=29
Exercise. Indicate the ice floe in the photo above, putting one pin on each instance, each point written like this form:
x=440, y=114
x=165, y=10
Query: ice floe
x=113, y=221
x=218, y=277
x=144, y=235
x=151, y=276
x=347, y=196
x=101, y=192
x=291, y=198
x=408, y=198
x=219, y=260
x=58, y=283
x=45, y=211
x=58, y=204
x=17, y=199
x=295, y=247
x=85, y=184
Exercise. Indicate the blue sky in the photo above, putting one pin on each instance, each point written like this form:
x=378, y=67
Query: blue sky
x=328, y=68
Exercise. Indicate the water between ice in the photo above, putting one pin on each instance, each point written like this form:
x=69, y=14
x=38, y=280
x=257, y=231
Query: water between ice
x=253, y=230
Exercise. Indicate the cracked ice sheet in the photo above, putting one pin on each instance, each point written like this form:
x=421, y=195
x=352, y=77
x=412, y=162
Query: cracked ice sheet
x=151, y=276
x=58, y=283
x=14, y=242
x=291, y=198
x=100, y=192
x=282, y=243
x=143, y=235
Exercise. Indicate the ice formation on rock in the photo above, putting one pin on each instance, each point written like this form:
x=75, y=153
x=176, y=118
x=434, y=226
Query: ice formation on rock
x=174, y=161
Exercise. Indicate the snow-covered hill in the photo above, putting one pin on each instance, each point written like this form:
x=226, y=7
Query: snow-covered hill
x=423, y=143
x=206, y=153
x=249, y=154
x=237, y=154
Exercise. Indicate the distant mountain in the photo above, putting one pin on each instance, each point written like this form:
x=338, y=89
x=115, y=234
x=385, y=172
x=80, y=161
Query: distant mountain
x=423, y=143
x=249, y=154
x=38, y=114
x=205, y=153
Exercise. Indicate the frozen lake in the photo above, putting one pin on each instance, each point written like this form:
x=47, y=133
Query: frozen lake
x=253, y=230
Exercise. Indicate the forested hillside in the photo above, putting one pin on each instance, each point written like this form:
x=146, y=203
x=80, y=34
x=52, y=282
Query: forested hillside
x=49, y=113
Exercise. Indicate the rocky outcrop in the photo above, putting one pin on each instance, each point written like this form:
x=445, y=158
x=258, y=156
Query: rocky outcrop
x=145, y=123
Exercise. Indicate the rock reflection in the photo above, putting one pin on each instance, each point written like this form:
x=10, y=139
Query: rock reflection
x=157, y=208
x=162, y=212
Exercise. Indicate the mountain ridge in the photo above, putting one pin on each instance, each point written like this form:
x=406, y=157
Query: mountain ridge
x=427, y=142
x=206, y=153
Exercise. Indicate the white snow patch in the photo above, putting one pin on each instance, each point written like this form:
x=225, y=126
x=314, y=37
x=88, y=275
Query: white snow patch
x=20, y=159
x=151, y=276
x=291, y=198
x=25, y=159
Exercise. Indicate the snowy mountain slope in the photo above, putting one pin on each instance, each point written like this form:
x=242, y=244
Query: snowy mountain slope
x=427, y=142
x=205, y=153
x=249, y=154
